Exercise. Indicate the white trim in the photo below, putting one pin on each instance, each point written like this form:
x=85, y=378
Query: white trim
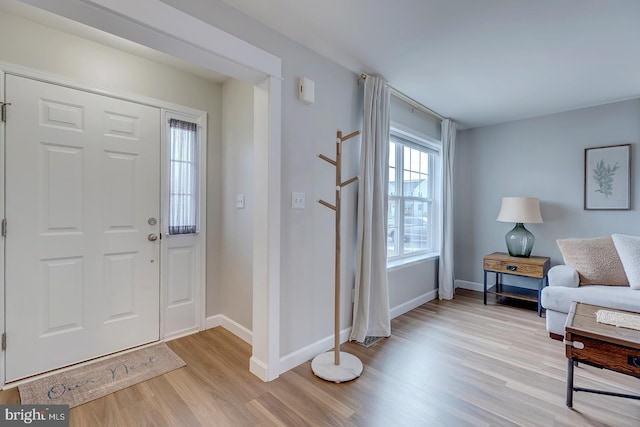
x=200, y=118
x=169, y=30
x=3, y=215
x=407, y=306
x=464, y=284
x=416, y=137
x=180, y=334
x=266, y=230
x=87, y=86
x=230, y=325
x=404, y=262
x=219, y=51
x=304, y=354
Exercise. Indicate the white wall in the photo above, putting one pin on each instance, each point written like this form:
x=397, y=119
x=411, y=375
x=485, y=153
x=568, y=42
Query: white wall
x=541, y=157
x=236, y=267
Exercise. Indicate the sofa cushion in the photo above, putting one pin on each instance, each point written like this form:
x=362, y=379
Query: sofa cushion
x=629, y=251
x=595, y=259
x=559, y=298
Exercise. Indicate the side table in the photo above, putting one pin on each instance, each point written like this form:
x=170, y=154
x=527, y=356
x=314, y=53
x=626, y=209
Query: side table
x=501, y=263
x=600, y=345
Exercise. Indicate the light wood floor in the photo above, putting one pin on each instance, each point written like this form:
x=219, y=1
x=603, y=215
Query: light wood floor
x=453, y=363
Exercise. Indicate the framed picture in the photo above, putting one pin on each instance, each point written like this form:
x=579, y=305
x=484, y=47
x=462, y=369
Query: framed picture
x=607, y=177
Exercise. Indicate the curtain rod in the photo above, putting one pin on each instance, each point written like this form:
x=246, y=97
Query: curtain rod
x=409, y=100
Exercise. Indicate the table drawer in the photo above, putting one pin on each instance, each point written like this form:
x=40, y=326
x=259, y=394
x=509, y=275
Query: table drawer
x=502, y=266
x=606, y=355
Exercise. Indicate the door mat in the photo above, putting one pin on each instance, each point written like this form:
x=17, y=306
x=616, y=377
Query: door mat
x=95, y=380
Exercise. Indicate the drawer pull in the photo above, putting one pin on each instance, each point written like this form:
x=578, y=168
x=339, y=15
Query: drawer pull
x=574, y=344
x=633, y=361
x=512, y=267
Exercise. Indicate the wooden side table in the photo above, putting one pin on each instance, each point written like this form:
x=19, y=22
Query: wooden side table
x=501, y=263
x=601, y=345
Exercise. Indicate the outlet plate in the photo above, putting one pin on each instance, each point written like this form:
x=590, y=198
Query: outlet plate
x=240, y=201
x=297, y=200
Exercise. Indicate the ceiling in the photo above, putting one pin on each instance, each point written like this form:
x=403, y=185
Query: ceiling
x=478, y=62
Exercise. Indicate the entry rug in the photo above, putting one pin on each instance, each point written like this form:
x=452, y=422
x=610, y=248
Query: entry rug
x=95, y=380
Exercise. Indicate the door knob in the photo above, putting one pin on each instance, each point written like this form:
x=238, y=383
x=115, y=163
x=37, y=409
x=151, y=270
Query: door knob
x=152, y=237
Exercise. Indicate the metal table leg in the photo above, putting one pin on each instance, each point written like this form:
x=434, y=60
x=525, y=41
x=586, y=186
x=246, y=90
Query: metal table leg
x=540, y=285
x=485, y=287
x=570, y=366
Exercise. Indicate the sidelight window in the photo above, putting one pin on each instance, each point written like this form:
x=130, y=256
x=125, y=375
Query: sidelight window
x=183, y=191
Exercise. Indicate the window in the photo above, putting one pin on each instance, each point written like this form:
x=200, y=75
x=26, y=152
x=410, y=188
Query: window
x=411, y=211
x=182, y=177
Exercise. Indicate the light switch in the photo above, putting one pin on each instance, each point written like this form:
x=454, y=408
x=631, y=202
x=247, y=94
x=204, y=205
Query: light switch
x=297, y=200
x=240, y=201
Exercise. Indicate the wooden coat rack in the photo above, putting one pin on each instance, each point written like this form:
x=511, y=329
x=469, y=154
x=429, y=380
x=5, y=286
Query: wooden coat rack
x=344, y=366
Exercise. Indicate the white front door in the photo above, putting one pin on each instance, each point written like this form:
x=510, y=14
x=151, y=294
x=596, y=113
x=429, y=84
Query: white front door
x=82, y=208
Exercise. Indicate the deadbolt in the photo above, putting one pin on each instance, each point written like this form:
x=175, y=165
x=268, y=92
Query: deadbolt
x=152, y=237
x=152, y=221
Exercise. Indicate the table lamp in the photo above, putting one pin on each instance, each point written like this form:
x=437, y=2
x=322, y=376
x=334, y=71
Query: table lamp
x=520, y=210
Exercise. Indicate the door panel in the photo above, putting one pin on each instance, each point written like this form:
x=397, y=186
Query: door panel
x=82, y=178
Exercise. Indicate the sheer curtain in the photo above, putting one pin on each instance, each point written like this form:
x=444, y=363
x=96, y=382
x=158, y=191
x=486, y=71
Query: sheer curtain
x=445, y=269
x=182, y=185
x=371, y=306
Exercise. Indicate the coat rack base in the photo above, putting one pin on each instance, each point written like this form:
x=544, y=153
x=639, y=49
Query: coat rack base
x=323, y=366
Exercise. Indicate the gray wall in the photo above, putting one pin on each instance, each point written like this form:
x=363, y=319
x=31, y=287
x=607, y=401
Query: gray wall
x=541, y=157
x=307, y=270
x=307, y=252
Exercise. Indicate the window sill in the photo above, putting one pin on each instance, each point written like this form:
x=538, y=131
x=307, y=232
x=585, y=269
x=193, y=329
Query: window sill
x=412, y=260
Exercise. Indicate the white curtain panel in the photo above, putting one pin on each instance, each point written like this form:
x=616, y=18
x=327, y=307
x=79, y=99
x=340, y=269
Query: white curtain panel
x=371, y=306
x=445, y=269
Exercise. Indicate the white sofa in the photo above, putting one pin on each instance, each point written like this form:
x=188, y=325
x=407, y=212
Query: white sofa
x=564, y=287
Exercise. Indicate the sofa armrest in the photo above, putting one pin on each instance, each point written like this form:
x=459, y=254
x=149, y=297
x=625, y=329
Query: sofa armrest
x=563, y=275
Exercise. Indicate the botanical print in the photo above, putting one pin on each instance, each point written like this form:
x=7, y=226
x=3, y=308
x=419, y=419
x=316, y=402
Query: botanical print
x=607, y=180
x=603, y=175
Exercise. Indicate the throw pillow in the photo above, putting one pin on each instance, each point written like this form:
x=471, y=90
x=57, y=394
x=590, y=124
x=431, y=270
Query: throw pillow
x=596, y=260
x=629, y=251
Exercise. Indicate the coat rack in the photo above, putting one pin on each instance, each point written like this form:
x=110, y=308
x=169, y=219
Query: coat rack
x=337, y=366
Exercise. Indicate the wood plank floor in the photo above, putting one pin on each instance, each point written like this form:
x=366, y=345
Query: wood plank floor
x=451, y=363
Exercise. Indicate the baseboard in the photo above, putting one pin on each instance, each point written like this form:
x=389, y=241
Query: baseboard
x=180, y=334
x=411, y=304
x=230, y=325
x=307, y=353
x=473, y=286
x=301, y=356
x=261, y=370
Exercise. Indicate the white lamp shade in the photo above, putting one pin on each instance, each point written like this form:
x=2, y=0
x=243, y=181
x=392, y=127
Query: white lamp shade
x=520, y=209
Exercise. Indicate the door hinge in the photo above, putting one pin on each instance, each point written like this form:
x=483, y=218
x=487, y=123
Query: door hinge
x=3, y=228
x=4, y=341
x=3, y=106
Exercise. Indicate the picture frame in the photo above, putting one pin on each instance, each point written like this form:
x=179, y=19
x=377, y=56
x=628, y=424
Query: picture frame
x=607, y=177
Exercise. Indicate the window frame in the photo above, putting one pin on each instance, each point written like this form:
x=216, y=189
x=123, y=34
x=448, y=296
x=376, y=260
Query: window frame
x=432, y=148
